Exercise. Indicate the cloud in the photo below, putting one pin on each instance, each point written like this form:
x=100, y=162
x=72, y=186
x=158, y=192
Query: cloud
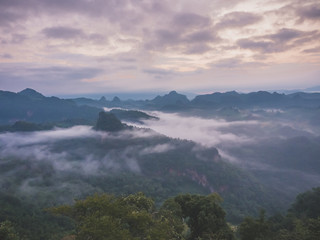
x=238, y=19
x=184, y=41
x=228, y=63
x=20, y=139
x=184, y=32
x=6, y=56
x=190, y=20
x=280, y=41
x=180, y=35
x=208, y=132
x=158, y=71
x=63, y=32
x=312, y=50
x=159, y=148
x=164, y=38
x=263, y=46
x=70, y=33
x=8, y=18
x=14, y=38
x=309, y=12
x=80, y=151
x=286, y=35
x=201, y=36
x=42, y=76
x=198, y=49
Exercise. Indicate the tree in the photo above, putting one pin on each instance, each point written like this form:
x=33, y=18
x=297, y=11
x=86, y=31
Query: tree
x=7, y=231
x=307, y=204
x=254, y=229
x=106, y=217
x=204, y=216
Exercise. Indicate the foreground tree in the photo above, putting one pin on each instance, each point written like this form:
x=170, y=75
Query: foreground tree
x=307, y=204
x=106, y=217
x=301, y=223
x=251, y=228
x=7, y=231
x=204, y=216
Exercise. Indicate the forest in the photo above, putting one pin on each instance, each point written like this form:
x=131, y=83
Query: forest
x=135, y=216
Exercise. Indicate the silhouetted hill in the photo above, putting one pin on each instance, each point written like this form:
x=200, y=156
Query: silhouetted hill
x=28, y=92
x=256, y=99
x=108, y=122
x=174, y=101
x=29, y=105
x=173, y=98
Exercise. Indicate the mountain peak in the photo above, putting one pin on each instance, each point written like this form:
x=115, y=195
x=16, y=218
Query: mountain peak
x=31, y=93
x=102, y=99
x=116, y=99
x=172, y=98
x=108, y=122
x=173, y=93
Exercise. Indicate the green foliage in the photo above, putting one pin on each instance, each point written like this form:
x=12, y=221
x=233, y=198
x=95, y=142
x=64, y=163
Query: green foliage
x=23, y=219
x=299, y=224
x=7, y=231
x=204, y=216
x=307, y=204
x=105, y=216
x=251, y=228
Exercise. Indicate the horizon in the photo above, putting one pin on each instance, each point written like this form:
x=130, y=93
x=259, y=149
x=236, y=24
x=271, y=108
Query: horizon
x=152, y=94
x=79, y=47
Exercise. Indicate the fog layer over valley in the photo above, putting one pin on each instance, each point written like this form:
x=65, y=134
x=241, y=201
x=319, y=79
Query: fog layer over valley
x=281, y=149
x=56, y=166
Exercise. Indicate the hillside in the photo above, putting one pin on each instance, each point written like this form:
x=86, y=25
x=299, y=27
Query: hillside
x=31, y=106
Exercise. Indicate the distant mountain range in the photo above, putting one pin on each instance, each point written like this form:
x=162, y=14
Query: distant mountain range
x=30, y=105
x=175, y=101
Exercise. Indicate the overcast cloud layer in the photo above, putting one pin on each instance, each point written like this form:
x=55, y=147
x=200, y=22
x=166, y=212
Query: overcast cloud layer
x=86, y=46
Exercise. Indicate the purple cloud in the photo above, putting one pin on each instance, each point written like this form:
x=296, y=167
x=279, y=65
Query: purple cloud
x=238, y=19
x=63, y=32
x=280, y=41
x=6, y=56
x=310, y=12
x=190, y=20
x=201, y=36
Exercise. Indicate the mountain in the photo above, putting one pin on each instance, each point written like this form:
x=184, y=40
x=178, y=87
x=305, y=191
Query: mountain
x=174, y=101
x=313, y=89
x=256, y=99
x=29, y=105
x=171, y=100
x=108, y=122
x=32, y=94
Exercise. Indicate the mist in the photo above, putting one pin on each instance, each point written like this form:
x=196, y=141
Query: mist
x=279, y=150
x=73, y=162
x=64, y=158
x=218, y=132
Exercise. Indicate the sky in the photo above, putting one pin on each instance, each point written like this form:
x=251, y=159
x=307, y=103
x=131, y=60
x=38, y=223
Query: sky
x=70, y=47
